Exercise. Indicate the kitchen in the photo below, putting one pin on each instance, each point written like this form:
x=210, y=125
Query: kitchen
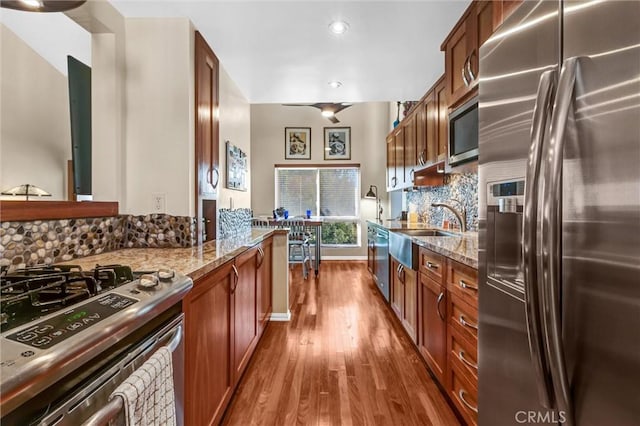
x=492, y=298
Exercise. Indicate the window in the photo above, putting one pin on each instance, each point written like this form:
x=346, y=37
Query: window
x=330, y=192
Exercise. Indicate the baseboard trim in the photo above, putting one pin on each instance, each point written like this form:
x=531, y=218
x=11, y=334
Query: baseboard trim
x=323, y=258
x=279, y=316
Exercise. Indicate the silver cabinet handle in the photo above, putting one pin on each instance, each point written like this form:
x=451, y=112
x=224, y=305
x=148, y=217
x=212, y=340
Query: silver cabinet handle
x=398, y=271
x=469, y=363
x=401, y=273
x=461, y=394
x=412, y=174
x=261, y=253
x=463, y=284
x=542, y=109
x=432, y=265
x=467, y=324
x=469, y=70
x=551, y=232
x=394, y=181
x=236, y=278
x=440, y=297
x=464, y=72
x=215, y=185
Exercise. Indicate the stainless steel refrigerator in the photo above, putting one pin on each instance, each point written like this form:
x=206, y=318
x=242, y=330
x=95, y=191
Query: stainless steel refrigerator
x=559, y=194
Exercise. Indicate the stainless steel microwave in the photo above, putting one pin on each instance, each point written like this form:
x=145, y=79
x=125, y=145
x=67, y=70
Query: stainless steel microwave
x=463, y=133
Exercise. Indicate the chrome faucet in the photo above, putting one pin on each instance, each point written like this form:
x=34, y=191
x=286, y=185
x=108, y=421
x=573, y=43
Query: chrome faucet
x=461, y=215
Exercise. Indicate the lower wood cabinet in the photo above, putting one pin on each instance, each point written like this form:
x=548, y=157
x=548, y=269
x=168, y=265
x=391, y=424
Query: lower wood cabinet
x=209, y=340
x=433, y=326
x=246, y=311
x=404, y=297
x=226, y=312
x=264, y=286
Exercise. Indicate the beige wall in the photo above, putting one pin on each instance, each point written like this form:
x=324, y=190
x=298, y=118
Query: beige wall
x=159, y=107
x=235, y=117
x=369, y=127
x=35, y=133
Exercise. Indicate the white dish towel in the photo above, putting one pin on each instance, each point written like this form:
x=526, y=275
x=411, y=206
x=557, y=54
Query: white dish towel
x=148, y=393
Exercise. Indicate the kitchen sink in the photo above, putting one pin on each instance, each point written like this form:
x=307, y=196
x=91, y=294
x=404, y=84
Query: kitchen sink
x=425, y=233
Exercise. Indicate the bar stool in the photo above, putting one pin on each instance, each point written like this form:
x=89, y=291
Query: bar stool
x=298, y=244
x=258, y=222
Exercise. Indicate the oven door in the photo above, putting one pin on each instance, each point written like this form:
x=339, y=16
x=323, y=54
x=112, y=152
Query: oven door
x=88, y=401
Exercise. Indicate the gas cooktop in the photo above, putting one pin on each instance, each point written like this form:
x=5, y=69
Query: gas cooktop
x=28, y=294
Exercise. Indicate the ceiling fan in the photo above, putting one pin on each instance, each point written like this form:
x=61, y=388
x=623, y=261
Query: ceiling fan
x=328, y=109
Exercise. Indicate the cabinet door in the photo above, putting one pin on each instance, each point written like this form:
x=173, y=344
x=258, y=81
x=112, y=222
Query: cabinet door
x=371, y=255
x=421, y=135
x=480, y=27
x=410, y=311
x=442, y=115
x=264, y=285
x=391, y=161
x=398, y=135
x=456, y=56
x=208, y=352
x=397, y=289
x=431, y=127
x=206, y=128
x=245, y=319
x=410, y=160
x=433, y=326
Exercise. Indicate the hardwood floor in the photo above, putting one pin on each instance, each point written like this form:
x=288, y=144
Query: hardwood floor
x=341, y=360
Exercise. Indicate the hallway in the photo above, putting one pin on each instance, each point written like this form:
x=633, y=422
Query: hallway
x=341, y=360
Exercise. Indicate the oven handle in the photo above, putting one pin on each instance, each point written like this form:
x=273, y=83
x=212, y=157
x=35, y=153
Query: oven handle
x=116, y=404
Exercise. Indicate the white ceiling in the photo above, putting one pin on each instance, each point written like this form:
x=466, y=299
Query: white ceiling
x=282, y=51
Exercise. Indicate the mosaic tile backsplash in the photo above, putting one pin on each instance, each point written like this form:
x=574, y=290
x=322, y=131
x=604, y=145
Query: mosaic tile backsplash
x=463, y=187
x=234, y=222
x=49, y=241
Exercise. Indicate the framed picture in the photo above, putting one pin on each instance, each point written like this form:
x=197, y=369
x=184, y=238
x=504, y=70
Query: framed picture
x=236, y=168
x=337, y=143
x=297, y=143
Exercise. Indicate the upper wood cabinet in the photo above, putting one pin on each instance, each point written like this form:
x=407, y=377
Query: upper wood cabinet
x=442, y=119
x=410, y=149
x=206, y=130
x=502, y=10
x=398, y=135
x=391, y=162
x=209, y=337
x=461, y=51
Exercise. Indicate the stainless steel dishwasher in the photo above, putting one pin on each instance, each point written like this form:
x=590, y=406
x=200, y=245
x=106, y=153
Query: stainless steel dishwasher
x=382, y=261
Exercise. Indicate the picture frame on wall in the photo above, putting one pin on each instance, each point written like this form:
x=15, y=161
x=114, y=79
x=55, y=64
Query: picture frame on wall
x=297, y=143
x=237, y=168
x=337, y=143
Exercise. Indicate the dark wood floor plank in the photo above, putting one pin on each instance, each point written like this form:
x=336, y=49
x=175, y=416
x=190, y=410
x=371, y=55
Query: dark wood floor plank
x=341, y=360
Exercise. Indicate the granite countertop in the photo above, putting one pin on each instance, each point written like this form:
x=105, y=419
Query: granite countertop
x=194, y=261
x=461, y=247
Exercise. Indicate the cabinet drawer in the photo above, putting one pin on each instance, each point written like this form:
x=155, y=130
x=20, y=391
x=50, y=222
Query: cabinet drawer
x=432, y=264
x=463, y=352
x=464, y=394
x=463, y=317
x=462, y=280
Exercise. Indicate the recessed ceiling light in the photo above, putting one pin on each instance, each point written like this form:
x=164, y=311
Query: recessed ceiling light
x=338, y=27
x=334, y=84
x=327, y=113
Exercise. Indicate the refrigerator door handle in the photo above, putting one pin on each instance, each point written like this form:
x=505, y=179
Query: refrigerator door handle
x=543, y=105
x=552, y=236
